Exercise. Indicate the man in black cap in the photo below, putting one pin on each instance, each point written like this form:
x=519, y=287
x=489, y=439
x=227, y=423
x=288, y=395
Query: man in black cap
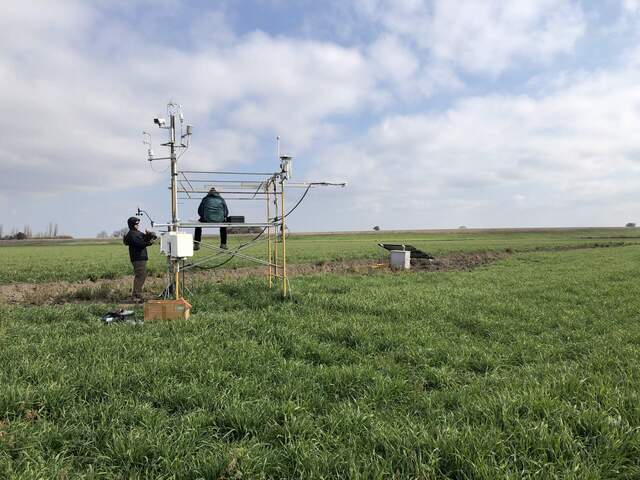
x=138, y=243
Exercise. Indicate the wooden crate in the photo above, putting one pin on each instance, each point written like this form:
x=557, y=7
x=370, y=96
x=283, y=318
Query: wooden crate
x=167, y=309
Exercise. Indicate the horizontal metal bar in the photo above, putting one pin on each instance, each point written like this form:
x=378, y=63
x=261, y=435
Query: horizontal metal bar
x=257, y=185
x=214, y=181
x=228, y=192
x=261, y=199
x=235, y=253
x=214, y=225
x=229, y=173
x=315, y=184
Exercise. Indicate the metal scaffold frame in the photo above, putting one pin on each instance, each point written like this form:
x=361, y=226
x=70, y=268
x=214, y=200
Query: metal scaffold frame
x=268, y=187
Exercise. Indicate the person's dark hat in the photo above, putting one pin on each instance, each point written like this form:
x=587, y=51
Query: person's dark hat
x=133, y=221
x=213, y=190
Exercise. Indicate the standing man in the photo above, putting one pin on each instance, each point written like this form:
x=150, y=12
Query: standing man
x=138, y=243
x=212, y=209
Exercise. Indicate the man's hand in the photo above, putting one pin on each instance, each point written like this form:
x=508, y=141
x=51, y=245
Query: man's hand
x=150, y=237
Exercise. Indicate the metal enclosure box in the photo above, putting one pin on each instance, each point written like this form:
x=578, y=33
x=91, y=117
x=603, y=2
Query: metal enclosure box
x=176, y=244
x=400, y=259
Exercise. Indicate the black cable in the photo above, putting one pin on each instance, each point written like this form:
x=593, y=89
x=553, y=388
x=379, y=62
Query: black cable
x=232, y=253
x=299, y=202
x=296, y=205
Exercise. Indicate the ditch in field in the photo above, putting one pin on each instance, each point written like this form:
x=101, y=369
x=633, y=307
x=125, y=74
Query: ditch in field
x=118, y=290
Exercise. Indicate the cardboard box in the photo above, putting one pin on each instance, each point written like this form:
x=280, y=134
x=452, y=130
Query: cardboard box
x=167, y=309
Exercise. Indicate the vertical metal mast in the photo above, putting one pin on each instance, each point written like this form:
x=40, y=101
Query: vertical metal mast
x=175, y=266
x=283, y=232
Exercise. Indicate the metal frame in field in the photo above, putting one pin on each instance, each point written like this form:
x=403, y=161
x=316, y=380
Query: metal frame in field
x=268, y=187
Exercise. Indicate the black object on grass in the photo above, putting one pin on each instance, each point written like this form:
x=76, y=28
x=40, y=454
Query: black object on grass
x=117, y=316
x=415, y=253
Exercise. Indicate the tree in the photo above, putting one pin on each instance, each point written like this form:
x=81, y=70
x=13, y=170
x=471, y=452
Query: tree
x=102, y=234
x=376, y=228
x=630, y=225
x=55, y=230
x=120, y=233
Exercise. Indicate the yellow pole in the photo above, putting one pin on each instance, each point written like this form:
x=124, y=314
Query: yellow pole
x=284, y=244
x=275, y=231
x=177, y=280
x=270, y=270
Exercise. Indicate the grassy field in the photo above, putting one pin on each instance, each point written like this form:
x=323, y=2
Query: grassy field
x=525, y=368
x=75, y=261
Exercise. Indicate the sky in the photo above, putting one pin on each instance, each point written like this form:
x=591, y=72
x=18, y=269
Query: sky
x=437, y=113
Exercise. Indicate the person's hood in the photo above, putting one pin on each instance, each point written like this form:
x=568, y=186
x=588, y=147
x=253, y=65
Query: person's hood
x=131, y=221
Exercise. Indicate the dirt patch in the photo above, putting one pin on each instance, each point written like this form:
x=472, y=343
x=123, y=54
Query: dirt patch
x=458, y=261
x=118, y=290
x=60, y=292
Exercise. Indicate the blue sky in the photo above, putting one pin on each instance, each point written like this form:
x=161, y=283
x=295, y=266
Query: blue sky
x=438, y=113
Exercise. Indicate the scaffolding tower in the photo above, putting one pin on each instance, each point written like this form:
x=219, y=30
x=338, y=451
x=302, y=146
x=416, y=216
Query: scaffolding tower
x=266, y=187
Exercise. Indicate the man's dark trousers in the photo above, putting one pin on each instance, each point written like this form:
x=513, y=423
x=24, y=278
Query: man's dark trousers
x=223, y=235
x=140, y=275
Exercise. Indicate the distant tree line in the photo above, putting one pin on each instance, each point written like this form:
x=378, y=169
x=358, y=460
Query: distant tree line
x=116, y=233
x=26, y=233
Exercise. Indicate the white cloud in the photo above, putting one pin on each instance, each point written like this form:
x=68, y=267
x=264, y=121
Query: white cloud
x=78, y=84
x=80, y=88
x=483, y=36
x=574, y=148
x=392, y=60
x=631, y=6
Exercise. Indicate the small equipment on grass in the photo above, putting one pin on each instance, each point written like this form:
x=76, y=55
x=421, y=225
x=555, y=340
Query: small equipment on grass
x=415, y=253
x=402, y=256
x=118, y=316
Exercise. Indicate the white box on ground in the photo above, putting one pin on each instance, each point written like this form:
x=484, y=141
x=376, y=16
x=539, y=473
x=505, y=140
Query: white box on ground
x=400, y=259
x=176, y=244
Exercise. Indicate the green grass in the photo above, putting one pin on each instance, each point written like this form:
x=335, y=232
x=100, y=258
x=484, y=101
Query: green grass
x=528, y=368
x=91, y=260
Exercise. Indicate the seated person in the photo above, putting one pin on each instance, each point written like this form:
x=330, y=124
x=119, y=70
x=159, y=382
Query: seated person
x=212, y=209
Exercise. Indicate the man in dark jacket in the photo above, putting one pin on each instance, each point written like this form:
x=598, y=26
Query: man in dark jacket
x=212, y=209
x=138, y=243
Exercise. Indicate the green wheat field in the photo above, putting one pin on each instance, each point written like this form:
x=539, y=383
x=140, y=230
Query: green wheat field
x=527, y=367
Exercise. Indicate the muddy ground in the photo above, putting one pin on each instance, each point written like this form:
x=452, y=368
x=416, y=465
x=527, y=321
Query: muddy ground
x=118, y=290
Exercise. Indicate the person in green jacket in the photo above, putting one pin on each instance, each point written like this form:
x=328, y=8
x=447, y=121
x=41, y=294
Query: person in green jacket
x=212, y=209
